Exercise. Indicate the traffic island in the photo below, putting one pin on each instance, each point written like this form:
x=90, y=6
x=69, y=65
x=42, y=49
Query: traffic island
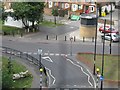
x=111, y=67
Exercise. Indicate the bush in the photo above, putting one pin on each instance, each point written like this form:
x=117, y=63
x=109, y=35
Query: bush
x=61, y=13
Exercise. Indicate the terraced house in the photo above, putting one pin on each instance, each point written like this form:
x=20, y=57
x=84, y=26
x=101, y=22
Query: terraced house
x=77, y=8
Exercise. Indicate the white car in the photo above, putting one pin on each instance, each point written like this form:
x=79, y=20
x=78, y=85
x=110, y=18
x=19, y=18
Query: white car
x=113, y=36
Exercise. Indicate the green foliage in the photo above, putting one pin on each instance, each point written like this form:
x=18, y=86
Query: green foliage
x=50, y=24
x=61, y=13
x=3, y=15
x=28, y=11
x=110, y=69
x=10, y=30
x=55, y=12
x=7, y=81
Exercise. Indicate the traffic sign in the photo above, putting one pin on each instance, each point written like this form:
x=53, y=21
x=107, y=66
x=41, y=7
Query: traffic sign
x=101, y=78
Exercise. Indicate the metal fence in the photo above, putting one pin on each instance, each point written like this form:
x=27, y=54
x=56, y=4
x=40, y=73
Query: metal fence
x=20, y=54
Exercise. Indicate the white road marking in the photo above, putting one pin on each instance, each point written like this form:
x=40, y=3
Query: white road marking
x=45, y=53
x=51, y=76
x=71, y=27
x=47, y=58
x=8, y=52
x=29, y=53
x=35, y=53
x=18, y=53
x=62, y=54
x=51, y=54
x=24, y=52
x=92, y=77
x=57, y=54
x=82, y=71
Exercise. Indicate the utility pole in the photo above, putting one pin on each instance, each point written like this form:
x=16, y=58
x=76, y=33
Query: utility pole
x=110, y=27
x=103, y=56
x=95, y=39
x=40, y=67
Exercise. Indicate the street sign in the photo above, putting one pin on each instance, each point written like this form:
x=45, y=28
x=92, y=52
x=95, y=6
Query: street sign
x=101, y=78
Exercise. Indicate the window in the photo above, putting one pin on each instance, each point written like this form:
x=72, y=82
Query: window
x=62, y=5
x=80, y=7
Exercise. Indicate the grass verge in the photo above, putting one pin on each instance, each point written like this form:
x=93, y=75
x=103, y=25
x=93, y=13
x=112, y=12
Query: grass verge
x=16, y=68
x=10, y=29
x=110, y=64
x=50, y=24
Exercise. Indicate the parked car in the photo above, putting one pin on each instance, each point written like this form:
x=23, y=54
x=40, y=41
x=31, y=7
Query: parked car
x=75, y=17
x=108, y=29
x=114, y=37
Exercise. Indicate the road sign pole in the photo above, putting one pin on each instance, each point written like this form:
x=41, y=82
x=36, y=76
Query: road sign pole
x=110, y=27
x=95, y=41
x=40, y=67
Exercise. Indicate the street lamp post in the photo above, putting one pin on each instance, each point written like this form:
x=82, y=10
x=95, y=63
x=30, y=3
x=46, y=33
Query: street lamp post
x=95, y=41
x=110, y=27
x=103, y=56
x=71, y=40
x=40, y=66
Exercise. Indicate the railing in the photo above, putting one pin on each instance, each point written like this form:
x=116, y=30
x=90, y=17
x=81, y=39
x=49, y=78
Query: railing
x=20, y=54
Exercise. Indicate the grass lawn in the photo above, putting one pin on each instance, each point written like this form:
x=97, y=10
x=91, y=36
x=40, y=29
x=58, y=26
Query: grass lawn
x=110, y=64
x=21, y=83
x=0, y=72
x=50, y=24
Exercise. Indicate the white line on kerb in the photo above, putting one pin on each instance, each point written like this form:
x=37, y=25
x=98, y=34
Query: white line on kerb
x=82, y=71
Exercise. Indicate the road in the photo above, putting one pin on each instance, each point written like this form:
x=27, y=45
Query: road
x=63, y=72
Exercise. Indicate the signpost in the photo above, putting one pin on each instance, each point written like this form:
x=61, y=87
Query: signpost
x=40, y=67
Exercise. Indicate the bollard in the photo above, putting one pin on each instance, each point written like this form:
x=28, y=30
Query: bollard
x=74, y=39
x=21, y=34
x=92, y=39
x=65, y=38
x=83, y=39
x=46, y=37
x=56, y=37
x=13, y=33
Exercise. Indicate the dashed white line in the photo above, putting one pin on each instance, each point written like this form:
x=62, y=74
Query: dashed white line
x=56, y=54
x=29, y=53
x=24, y=52
x=35, y=53
x=51, y=54
x=45, y=53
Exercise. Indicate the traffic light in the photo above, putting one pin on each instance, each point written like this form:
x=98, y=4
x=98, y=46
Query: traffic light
x=97, y=70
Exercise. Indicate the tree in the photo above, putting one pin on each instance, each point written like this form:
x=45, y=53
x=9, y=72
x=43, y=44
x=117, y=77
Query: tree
x=3, y=15
x=28, y=11
x=55, y=13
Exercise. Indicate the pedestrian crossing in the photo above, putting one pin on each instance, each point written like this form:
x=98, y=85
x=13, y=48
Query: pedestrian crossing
x=35, y=53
